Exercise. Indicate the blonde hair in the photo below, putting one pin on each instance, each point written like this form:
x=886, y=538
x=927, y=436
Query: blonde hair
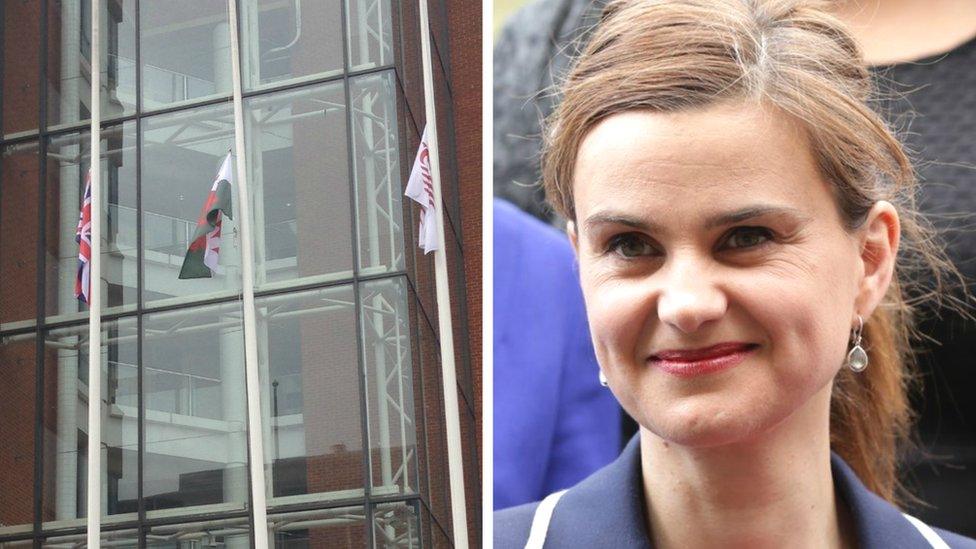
x=664, y=56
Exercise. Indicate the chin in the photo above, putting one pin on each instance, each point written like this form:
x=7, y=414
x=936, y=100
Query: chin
x=697, y=423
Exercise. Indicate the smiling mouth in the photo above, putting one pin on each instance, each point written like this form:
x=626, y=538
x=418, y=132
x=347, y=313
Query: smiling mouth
x=696, y=362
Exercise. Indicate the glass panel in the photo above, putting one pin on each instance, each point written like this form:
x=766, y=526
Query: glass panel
x=196, y=141
x=118, y=95
x=290, y=40
x=67, y=174
x=18, y=371
x=379, y=208
x=389, y=386
x=18, y=234
x=16, y=544
x=370, y=33
x=124, y=539
x=308, y=363
x=66, y=423
x=396, y=526
x=69, y=62
x=185, y=51
x=21, y=60
x=229, y=534
x=298, y=170
x=193, y=379
x=340, y=528
x=68, y=161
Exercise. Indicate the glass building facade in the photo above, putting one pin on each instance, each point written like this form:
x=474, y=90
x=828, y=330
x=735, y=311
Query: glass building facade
x=351, y=397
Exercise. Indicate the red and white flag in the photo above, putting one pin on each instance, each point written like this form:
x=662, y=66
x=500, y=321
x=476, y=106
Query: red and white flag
x=420, y=187
x=83, y=238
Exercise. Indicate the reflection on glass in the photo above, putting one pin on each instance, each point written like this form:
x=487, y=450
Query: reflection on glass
x=370, y=33
x=290, y=40
x=67, y=173
x=185, y=51
x=298, y=170
x=66, y=423
x=194, y=397
x=69, y=84
x=17, y=362
x=18, y=233
x=308, y=363
x=182, y=153
x=227, y=533
x=341, y=528
x=21, y=57
x=379, y=210
x=389, y=386
x=124, y=539
x=395, y=526
x=69, y=78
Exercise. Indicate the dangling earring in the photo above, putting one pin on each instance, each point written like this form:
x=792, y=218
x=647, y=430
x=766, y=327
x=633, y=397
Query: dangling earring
x=603, y=379
x=857, y=359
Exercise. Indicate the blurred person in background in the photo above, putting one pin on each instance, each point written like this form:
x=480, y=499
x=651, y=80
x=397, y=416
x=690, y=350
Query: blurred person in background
x=553, y=422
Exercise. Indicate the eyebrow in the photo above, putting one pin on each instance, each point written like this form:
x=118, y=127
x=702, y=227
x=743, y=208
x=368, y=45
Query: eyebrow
x=719, y=220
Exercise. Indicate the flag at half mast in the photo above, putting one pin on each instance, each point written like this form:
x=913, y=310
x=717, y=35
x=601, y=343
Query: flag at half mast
x=420, y=187
x=202, y=256
x=83, y=238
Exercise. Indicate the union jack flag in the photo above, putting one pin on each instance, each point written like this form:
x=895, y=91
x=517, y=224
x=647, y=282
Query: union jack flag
x=83, y=238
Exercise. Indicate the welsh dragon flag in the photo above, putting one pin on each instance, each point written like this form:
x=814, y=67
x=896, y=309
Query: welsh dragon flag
x=202, y=256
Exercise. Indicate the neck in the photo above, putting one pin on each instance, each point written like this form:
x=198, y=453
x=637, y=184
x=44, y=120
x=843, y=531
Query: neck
x=775, y=490
x=899, y=31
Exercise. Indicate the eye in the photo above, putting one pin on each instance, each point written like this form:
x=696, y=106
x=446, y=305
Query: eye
x=746, y=237
x=630, y=245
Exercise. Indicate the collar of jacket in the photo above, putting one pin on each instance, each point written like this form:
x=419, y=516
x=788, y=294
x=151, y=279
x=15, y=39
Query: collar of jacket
x=607, y=510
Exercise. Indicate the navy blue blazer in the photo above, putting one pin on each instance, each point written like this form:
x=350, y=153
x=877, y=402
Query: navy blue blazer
x=607, y=510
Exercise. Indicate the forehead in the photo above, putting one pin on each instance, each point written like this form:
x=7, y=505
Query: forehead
x=698, y=162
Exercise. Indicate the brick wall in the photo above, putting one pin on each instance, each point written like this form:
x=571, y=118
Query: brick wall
x=465, y=19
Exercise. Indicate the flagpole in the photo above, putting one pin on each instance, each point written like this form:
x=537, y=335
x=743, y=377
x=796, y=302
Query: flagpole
x=254, y=431
x=448, y=372
x=95, y=297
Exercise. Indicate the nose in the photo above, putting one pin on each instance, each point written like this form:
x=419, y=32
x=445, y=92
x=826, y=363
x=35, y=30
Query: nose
x=690, y=297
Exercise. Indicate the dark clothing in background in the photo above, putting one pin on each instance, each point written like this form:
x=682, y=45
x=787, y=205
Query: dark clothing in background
x=932, y=105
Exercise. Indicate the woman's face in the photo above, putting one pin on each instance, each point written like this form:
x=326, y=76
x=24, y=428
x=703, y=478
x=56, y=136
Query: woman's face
x=720, y=283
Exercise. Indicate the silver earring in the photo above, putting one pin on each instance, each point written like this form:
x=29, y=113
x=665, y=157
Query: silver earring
x=603, y=379
x=857, y=359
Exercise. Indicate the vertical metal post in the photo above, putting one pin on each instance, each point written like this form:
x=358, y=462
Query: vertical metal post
x=452, y=418
x=255, y=430
x=95, y=299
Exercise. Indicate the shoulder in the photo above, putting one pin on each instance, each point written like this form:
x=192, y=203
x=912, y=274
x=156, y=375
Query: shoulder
x=511, y=526
x=956, y=541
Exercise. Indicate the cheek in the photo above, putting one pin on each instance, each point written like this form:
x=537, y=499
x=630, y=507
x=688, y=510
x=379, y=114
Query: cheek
x=616, y=312
x=807, y=319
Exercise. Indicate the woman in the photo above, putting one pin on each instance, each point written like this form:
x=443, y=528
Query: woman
x=747, y=239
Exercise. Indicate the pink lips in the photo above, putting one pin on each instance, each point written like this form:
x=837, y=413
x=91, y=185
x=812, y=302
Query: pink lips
x=695, y=362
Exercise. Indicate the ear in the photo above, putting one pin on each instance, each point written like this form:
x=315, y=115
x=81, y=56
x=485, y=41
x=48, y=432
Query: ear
x=878, y=241
x=573, y=237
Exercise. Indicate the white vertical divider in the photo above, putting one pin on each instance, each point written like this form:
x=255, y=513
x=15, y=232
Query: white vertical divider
x=452, y=417
x=94, y=509
x=254, y=431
